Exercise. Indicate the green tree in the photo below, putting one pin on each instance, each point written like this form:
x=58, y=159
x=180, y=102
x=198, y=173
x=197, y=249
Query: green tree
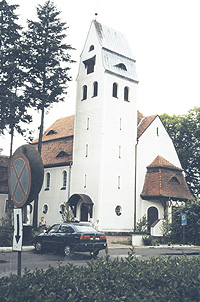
x=47, y=63
x=47, y=60
x=13, y=107
x=184, y=131
x=192, y=229
x=68, y=214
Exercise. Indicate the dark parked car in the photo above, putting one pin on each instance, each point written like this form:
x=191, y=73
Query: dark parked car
x=70, y=238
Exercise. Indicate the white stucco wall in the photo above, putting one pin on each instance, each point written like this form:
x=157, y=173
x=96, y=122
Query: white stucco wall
x=153, y=142
x=53, y=197
x=112, y=126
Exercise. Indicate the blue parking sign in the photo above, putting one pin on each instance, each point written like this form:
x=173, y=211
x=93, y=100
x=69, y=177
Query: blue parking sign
x=183, y=219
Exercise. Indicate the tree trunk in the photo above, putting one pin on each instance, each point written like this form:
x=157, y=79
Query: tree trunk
x=35, y=209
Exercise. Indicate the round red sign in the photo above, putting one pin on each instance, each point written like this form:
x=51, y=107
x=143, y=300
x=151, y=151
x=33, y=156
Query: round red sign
x=20, y=179
x=26, y=175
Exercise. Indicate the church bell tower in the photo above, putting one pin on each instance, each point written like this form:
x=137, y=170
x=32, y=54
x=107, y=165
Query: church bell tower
x=105, y=130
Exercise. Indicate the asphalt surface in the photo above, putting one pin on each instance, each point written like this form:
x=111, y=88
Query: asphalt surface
x=30, y=260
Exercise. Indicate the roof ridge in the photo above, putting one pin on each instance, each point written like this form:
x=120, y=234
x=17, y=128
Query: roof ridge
x=161, y=162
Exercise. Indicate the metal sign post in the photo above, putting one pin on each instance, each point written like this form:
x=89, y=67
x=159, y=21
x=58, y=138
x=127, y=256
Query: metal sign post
x=183, y=223
x=25, y=180
x=17, y=237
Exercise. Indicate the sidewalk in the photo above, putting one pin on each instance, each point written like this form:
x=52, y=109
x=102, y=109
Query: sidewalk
x=112, y=245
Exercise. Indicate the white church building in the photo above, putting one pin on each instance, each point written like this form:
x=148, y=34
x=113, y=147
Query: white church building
x=112, y=164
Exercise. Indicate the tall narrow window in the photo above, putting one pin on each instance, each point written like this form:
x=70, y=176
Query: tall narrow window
x=95, y=89
x=114, y=93
x=64, y=180
x=120, y=150
x=88, y=123
x=47, y=181
x=86, y=150
x=84, y=92
x=85, y=181
x=126, y=94
x=119, y=182
x=120, y=123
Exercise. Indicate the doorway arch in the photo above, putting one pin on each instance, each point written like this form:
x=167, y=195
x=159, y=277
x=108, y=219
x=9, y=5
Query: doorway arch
x=152, y=216
x=82, y=206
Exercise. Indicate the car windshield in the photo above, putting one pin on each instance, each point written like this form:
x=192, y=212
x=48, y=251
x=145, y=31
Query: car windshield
x=85, y=229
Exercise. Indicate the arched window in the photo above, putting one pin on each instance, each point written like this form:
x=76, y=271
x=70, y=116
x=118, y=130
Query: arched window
x=48, y=177
x=152, y=216
x=91, y=47
x=114, y=93
x=84, y=92
x=95, y=89
x=126, y=93
x=64, y=180
x=121, y=66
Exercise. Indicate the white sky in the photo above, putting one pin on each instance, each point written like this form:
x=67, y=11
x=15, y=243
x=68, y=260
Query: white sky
x=163, y=36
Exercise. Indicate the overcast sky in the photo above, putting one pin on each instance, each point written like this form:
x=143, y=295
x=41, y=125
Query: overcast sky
x=163, y=36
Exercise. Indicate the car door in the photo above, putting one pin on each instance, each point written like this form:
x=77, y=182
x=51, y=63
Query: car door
x=63, y=236
x=49, y=237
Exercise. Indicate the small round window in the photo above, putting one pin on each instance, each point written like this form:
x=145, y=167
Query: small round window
x=62, y=208
x=45, y=208
x=118, y=210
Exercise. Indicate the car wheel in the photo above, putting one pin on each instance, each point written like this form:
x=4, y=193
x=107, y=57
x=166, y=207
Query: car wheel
x=38, y=247
x=67, y=251
x=94, y=254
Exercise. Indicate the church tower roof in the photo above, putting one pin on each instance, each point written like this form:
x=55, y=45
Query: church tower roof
x=113, y=40
x=117, y=57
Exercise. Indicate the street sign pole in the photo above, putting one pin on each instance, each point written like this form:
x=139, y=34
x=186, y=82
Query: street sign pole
x=26, y=173
x=17, y=237
x=183, y=223
x=183, y=234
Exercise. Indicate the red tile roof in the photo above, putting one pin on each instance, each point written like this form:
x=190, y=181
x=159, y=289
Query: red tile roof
x=164, y=180
x=144, y=122
x=57, y=146
x=64, y=127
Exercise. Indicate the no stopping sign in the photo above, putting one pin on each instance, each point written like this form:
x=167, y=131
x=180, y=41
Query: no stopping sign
x=26, y=173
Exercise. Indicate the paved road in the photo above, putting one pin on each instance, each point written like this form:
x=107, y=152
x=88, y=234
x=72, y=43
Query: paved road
x=32, y=260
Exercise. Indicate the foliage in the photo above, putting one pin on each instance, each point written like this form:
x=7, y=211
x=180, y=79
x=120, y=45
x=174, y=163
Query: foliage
x=47, y=60
x=67, y=215
x=13, y=107
x=184, y=131
x=157, y=279
x=123, y=242
x=166, y=226
x=147, y=239
x=192, y=229
x=6, y=229
x=141, y=226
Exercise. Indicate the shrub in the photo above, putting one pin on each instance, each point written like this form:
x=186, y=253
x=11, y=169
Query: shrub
x=192, y=229
x=147, y=240
x=6, y=229
x=102, y=280
x=141, y=226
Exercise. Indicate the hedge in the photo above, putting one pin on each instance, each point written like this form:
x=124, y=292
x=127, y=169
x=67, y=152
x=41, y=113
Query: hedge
x=102, y=280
